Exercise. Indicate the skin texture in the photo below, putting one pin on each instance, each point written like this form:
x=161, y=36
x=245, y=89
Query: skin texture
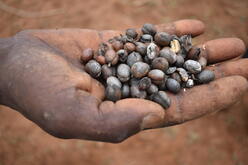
x=42, y=78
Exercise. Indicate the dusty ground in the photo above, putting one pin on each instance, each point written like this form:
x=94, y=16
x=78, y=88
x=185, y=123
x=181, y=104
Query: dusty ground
x=220, y=138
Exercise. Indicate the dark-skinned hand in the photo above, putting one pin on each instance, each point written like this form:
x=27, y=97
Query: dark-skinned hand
x=42, y=78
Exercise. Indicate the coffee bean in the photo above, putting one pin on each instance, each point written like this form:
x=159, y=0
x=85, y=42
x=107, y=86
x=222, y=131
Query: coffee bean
x=170, y=56
x=149, y=29
x=114, y=81
x=206, y=76
x=113, y=93
x=137, y=93
x=176, y=76
x=162, y=38
x=117, y=45
x=190, y=83
x=194, y=53
x=203, y=62
x=111, y=57
x=129, y=47
x=133, y=58
x=123, y=72
x=162, y=98
x=171, y=70
x=152, y=89
x=173, y=86
x=146, y=38
x=131, y=33
x=140, y=69
x=145, y=83
x=87, y=55
x=122, y=55
x=125, y=90
x=175, y=46
x=134, y=81
x=160, y=63
x=93, y=68
x=100, y=59
x=186, y=42
x=179, y=60
x=141, y=48
x=183, y=73
x=192, y=66
x=156, y=75
x=108, y=71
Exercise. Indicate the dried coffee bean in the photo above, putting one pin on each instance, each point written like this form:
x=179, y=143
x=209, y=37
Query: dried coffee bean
x=162, y=98
x=113, y=81
x=123, y=72
x=152, y=51
x=206, y=76
x=152, y=89
x=170, y=56
x=141, y=48
x=113, y=93
x=177, y=77
x=160, y=63
x=108, y=71
x=140, y=69
x=111, y=57
x=146, y=38
x=171, y=70
x=117, y=45
x=87, y=55
x=124, y=39
x=179, y=61
x=134, y=81
x=133, y=58
x=122, y=55
x=172, y=85
x=183, y=73
x=137, y=93
x=192, y=66
x=203, y=62
x=125, y=90
x=145, y=83
x=186, y=42
x=194, y=53
x=189, y=83
x=100, y=59
x=162, y=85
x=175, y=46
x=129, y=47
x=162, y=38
x=156, y=75
x=93, y=68
x=131, y=33
x=149, y=29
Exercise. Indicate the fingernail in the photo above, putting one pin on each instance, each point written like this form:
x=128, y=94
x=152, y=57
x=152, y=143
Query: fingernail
x=151, y=121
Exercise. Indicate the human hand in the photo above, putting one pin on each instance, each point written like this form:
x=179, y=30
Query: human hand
x=42, y=78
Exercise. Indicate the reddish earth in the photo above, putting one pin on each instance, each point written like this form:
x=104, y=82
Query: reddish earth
x=220, y=138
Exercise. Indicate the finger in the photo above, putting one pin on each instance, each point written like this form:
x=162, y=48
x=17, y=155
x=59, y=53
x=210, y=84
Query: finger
x=182, y=27
x=204, y=99
x=222, y=49
x=229, y=68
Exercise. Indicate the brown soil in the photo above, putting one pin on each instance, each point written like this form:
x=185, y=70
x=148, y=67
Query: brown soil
x=220, y=138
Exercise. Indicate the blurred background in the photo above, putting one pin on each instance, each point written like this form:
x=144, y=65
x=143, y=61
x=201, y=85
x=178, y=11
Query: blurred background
x=220, y=138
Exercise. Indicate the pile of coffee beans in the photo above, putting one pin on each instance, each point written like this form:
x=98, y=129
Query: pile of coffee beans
x=146, y=65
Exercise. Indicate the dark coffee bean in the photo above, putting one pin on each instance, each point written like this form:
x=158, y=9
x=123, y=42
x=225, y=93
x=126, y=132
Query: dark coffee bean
x=131, y=33
x=162, y=85
x=122, y=55
x=87, y=55
x=111, y=57
x=93, y=68
x=149, y=29
x=113, y=81
x=123, y=72
x=162, y=39
x=192, y=66
x=145, y=83
x=108, y=71
x=137, y=93
x=147, y=60
x=203, y=62
x=162, y=98
x=186, y=42
x=160, y=63
x=125, y=90
x=133, y=58
x=156, y=75
x=171, y=70
x=140, y=69
x=129, y=47
x=113, y=93
x=179, y=61
x=117, y=45
x=177, y=77
x=183, y=73
x=146, y=38
x=152, y=89
x=141, y=48
x=189, y=83
x=194, y=53
x=170, y=56
x=206, y=76
x=172, y=85
x=152, y=51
